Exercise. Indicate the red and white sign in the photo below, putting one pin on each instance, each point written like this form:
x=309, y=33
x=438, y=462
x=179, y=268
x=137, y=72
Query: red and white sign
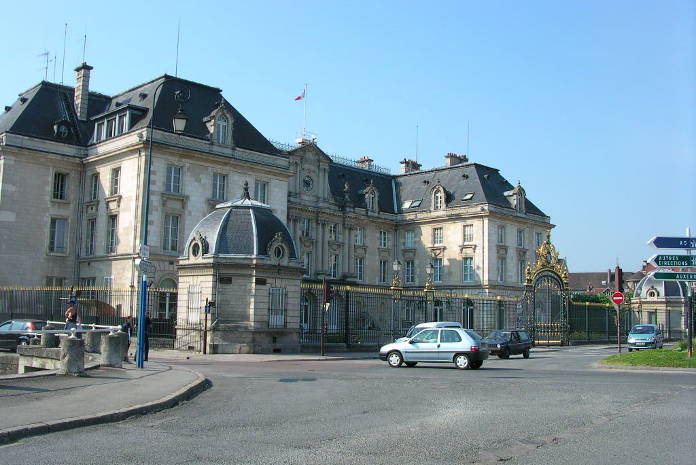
x=617, y=298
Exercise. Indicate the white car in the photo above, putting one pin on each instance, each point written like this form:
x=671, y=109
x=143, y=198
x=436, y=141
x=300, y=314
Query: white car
x=463, y=347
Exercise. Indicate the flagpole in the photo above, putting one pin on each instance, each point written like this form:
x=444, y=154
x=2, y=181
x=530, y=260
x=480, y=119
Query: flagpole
x=304, y=129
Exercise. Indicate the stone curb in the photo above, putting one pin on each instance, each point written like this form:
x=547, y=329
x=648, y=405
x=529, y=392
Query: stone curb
x=13, y=434
x=42, y=373
x=603, y=366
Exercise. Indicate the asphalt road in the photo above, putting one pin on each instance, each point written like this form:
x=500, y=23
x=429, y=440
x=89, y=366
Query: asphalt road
x=551, y=409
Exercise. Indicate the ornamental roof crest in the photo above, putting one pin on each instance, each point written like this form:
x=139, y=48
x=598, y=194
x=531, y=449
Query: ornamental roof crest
x=548, y=260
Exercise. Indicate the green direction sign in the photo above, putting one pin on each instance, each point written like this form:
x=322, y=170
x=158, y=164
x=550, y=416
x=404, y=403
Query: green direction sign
x=673, y=260
x=672, y=276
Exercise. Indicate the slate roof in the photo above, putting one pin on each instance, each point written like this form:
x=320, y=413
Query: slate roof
x=46, y=103
x=358, y=180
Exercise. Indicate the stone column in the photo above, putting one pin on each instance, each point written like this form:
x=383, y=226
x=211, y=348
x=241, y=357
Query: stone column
x=322, y=242
x=124, y=344
x=49, y=340
x=93, y=341
x=348, y=242
x=111, y=350
x=72, y=356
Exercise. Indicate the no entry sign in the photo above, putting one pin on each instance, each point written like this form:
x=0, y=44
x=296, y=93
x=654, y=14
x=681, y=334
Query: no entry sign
x=617, y=298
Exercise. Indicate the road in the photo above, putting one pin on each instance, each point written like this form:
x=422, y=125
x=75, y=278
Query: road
x=553, y=408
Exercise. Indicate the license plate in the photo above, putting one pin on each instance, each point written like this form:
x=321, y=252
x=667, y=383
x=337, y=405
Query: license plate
x=640, y=343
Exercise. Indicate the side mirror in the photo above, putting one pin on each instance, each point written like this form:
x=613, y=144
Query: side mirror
x=410, y=341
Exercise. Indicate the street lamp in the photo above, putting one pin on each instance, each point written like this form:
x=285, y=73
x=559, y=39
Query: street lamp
x=429, y=289
x=396, y=291
x=179, y=124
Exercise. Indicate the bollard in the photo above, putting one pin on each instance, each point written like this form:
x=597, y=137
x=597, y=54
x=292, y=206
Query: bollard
x=111, y=350
x=93, y=341
x=49, y=340
x=72, y=356
x=124, y=345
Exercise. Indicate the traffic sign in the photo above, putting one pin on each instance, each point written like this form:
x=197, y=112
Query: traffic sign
x=674, y=276
x=673, y=260
x=673, y=242
x=617, y=298
x=145, y=252
x=146, y=267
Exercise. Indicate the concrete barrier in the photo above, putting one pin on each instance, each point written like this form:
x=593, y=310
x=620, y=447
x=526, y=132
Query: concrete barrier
x=72, y=356
x=124, y=344
x=49, y=340
x=93, y=341
x=111, y=352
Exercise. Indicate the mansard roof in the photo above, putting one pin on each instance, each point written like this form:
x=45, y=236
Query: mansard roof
x=358, y=182
x=38, y=108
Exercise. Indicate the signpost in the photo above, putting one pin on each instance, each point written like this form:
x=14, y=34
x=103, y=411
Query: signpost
x=660, y=242
x=618, y=299
x=683, y=261
x=674, y=276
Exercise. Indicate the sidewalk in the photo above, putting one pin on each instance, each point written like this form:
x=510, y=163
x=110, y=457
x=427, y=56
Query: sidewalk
x=44, y=404
x=164, y=355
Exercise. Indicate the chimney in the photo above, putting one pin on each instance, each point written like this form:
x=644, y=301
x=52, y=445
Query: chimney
x=454, y=159
x=82, y=90
x=618, y=279
x=409, y=166
x=365, y=162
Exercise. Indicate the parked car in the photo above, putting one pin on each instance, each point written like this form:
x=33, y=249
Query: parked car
x=415, y=329
x=645, y=337
x=437, y=345
x=13, y=333
x=506, y=343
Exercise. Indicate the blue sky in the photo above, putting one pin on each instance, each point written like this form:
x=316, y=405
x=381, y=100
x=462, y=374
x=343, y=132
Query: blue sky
x=591, y=105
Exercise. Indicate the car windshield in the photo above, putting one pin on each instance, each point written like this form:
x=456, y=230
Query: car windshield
x=499, y=335
x=413, y=331
x=643, y=330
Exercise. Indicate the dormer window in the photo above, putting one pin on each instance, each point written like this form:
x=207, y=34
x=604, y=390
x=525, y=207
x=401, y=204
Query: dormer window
x=370, y=199
x=220, y=134
x=112, y=126
x=438, y=198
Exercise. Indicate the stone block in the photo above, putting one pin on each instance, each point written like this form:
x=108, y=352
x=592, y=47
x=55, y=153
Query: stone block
x=93, y=341
x=111, y=350
x=72, y=357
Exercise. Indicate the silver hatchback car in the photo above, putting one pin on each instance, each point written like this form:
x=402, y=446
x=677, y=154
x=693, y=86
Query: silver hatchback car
x=438, y=345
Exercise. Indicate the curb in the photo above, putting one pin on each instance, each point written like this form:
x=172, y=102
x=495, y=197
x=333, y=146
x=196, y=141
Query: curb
x=644, y=368
x=13, y=434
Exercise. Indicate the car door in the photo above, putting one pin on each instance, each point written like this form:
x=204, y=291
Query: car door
x=450, y=343
x=515, y=344
x=423, y=347
x=7, y=341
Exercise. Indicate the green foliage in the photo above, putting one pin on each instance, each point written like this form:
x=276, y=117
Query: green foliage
x=652, y=358
x=592, y=298
x=681, y=345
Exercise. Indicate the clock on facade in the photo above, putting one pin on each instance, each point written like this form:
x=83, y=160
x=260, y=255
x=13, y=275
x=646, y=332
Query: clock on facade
x=307, y=183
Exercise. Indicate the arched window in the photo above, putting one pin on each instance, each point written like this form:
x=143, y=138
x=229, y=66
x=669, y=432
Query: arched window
x=371, y=200
x=221, y=129
x=438, y=199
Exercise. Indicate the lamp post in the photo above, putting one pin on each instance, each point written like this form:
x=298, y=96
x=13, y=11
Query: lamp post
x=396, y=292
x=179, y=124
x=429, y=289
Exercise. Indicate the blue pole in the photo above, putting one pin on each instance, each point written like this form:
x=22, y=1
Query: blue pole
x=140, y=354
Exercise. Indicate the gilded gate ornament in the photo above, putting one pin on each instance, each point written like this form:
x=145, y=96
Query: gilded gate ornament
x=548, y=261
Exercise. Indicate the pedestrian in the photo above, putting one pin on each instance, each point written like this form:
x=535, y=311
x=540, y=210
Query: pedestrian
x=127, y=327
x=71, y=317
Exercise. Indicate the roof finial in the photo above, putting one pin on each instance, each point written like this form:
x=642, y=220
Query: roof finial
x=245, y=194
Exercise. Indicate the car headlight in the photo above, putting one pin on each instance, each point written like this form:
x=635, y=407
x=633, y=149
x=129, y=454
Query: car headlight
x=498, y=346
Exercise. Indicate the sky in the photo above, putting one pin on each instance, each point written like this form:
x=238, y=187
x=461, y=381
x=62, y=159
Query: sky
x=591, y=105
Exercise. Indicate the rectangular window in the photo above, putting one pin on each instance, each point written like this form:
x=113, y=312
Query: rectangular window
x=111, y=233
x=409, y=272
x=410, y=239
x=91, y=237
x=261, y=192
x=538, y=240
x=219, y=185
x=360, y=235
x=122, y=125
x=333, y=265
x=468, y=233
x=57, y=242
x=382, y=271
x=173, y=183
x=521, y=273
x=94, y=187
x=467, y=269
x=501, y=269
x=383, y=239
x=88, y=282
x=171, y=233
x=360, y=268
x=333, y=235
x=308, y=263
x=110, y=128
x=60, y=185
x=501, y=234
x=437, y=270
x=99, y=132
x=55, y=281
x=437, y=236
x=306, y=227
x=115, y=187
x=520, y=237
x=108, y=282
x=277, y=307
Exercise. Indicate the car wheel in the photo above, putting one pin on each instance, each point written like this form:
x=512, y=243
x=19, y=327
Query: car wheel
x=462, y=361
x=525, y=354
x=504, y=353
x=23, y=342
x=410, y=364
x=476, y=365
x=394, y=359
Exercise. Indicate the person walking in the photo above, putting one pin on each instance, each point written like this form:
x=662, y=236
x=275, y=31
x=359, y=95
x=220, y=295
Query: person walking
x=71, y=316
